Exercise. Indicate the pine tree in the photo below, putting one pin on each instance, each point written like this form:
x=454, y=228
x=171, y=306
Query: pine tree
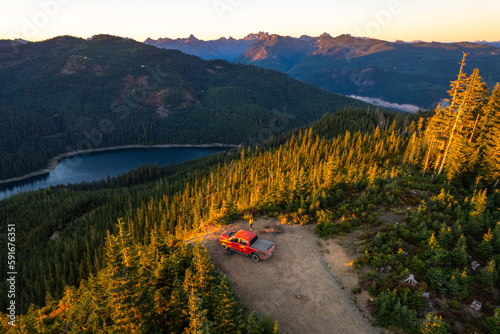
x=485, y=248
x=231, y=211
x=453, y=137
x=126, y=274
x=252, y=324
x=177, y=316
x=458, y=255
x=490, y=136
x=464, y=150
x=203, y=269
x=489, y=273
x=451, y=115
x=478, y=200
x=226, y=309
x=198, y=321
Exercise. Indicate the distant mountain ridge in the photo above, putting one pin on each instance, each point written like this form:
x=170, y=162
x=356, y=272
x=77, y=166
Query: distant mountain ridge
x=222, y=48
x=12, y=43
x=414, y=72
x=496, y=44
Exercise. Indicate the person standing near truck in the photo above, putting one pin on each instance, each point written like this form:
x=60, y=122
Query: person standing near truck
x=250, y=223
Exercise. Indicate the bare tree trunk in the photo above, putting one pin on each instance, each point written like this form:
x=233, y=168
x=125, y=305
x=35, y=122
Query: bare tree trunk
x=474, y=129
x=458, y=81
x=452, y=134
x=446, y=151
x=429, y=149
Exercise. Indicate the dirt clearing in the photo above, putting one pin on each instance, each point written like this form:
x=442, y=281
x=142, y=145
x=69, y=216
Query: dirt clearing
x=305, y=285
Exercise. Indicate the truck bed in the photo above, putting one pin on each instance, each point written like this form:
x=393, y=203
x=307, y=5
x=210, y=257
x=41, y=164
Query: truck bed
x=262, y=245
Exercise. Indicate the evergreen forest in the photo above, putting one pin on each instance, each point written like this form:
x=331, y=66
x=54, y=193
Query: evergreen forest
x=120, y=263
x=68, y=94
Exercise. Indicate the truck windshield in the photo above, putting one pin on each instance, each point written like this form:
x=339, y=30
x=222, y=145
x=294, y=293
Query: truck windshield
x=253, y=240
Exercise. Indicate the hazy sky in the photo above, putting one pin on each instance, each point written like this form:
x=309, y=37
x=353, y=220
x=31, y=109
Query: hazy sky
x=429, y=20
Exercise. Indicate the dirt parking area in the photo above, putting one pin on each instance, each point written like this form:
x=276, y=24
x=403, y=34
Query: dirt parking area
x=306, y=284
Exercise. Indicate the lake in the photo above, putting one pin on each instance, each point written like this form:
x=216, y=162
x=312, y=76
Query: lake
x=99, y=165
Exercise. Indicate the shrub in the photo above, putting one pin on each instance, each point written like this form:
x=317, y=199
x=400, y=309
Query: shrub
x=433, y=324
x=492, y=324
x=413, y=299
x=283, y=219
x=327, y=230
x=268, y=324
x=455, y=304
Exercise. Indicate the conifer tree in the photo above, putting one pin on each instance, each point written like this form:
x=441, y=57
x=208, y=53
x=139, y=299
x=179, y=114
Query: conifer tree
x=252, y=325
x=177, y=316
x=231, y=211
x=458, y=255
x=478, y=200
x=463, y=152
x=203, y=269
x=447, y=119
x=455, y=135
x=125, y=274
x=198, y=321
x=226, y=310
x=490, y=136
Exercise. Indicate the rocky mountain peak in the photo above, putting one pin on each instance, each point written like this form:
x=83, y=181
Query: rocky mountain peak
x=191, y=38
x=259, y=36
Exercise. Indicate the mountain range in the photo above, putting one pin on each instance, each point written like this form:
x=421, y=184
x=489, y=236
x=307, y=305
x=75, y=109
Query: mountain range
x=67, y=94
x=415, y=73
x=497, y=43
x=12, y=42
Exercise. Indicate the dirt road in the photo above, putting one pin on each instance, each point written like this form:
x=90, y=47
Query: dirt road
x=297, y=285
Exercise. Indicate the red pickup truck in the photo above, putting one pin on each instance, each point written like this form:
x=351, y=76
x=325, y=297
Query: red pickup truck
x=247, y=243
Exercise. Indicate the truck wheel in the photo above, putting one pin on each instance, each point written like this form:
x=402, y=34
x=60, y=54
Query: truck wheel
x=255, y=257
x=224, y=245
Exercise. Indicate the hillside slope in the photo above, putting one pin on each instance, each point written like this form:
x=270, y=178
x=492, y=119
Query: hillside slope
x=68, y=94
x=426, y=247
x=162, y=201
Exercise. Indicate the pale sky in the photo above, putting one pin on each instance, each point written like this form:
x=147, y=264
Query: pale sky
x=428, y=20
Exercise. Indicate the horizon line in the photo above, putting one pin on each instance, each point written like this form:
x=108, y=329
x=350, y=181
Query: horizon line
x=257, y=33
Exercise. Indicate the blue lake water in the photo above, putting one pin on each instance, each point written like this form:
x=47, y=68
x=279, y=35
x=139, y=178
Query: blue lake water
x=99, y=165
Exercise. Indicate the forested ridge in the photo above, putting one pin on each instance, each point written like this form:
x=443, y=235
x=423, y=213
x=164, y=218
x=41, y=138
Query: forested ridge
x=67, y=94
x=341, y=174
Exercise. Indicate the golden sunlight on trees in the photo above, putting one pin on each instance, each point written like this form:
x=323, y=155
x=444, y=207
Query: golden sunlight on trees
x=463, y=138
